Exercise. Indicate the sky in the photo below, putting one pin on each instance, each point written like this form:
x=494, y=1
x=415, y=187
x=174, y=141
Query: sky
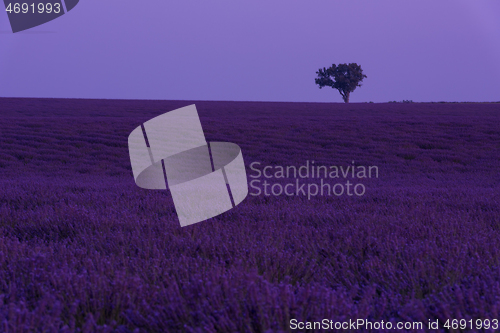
x=258, y=50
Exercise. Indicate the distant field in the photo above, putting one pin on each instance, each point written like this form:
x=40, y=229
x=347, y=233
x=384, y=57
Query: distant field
x=83, y=248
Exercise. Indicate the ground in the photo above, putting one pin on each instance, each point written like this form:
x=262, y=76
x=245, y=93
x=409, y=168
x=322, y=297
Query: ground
x=83, y=248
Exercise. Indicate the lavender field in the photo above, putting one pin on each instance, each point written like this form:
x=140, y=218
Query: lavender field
x=83, y=249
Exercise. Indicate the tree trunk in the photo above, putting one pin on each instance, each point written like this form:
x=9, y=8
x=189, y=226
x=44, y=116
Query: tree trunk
x=346, y=99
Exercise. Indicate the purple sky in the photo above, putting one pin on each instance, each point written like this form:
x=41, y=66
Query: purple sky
x=257, y=50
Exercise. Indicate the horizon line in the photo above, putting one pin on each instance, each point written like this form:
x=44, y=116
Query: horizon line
x=249, y=101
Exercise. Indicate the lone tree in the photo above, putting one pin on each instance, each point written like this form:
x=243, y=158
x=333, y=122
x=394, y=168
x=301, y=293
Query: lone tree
x=345, y=78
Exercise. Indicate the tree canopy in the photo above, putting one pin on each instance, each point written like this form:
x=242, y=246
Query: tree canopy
x=344, y=77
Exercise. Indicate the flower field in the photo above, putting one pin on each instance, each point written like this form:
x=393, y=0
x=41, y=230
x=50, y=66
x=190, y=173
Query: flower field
x=82, y=248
